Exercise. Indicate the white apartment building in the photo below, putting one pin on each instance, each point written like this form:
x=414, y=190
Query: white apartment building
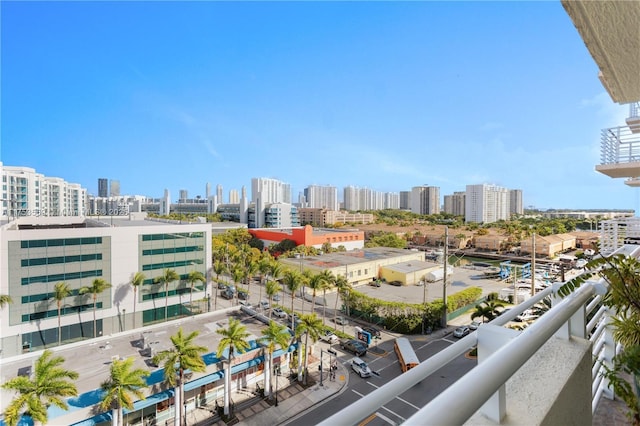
x=367, y=199
x=455, y=204
x=28, y=193
x=318, y=197
x=425, y=199
x=266, y=191
x=38, y=252
x=486, y=203
x=391, y=200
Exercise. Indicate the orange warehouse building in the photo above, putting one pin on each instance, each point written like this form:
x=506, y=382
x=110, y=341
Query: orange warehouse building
x=308, y=236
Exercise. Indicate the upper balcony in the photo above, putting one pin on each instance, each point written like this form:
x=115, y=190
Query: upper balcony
x=620, y=152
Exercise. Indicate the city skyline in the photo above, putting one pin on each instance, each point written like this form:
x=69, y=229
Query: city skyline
x=379, y=95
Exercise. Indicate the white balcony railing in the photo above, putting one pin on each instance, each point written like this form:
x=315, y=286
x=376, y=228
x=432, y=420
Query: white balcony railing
x=619, y=145
x=476, y=389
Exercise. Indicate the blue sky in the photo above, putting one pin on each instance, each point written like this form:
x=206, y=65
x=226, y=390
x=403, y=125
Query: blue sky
x=384, y=95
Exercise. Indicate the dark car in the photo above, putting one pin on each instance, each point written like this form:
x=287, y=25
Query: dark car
x=243, y=295
x=355, y=346
x=226, y=294
x=372, y=330
x=375, y=283
x=396, y=283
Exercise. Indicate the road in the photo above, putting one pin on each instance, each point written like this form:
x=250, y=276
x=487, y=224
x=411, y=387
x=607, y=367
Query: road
x=386, y=365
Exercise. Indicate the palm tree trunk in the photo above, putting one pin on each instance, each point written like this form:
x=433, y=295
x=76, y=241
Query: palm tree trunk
x=95, y=307
x=302, y=297
x=166, y=302
x=183, y=416
x=135, y=296
x=335, y=308
x=227, y=383
x=292, y=325
x=300, y=354
x=268, y=372
x=59, y=328
x=115, y=417
x=191, y=299
x=324, y=305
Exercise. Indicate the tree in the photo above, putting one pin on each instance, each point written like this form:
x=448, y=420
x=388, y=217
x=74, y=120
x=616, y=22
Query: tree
x=312, y=326
x=318, y=282
x=272, y=288
x=124, y=382
x=97, y=287
x=49, y=385
x=235, y=339
x=487, y=310
x=264, y=266
x=183, y=356
x=192, y=279
x=60, y=291
x=5, y=299
x=342, y=287
x=272, y=336
x=292, y=281
x=168, y=276
x=219, y=268
x=330, y=280
x=136, y=281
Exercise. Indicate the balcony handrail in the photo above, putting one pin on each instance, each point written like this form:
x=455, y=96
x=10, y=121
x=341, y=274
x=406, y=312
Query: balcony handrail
x=486, y=378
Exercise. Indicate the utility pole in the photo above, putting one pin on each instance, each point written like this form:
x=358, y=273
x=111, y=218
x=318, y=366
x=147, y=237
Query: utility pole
x=533, y=265
x=444, y=282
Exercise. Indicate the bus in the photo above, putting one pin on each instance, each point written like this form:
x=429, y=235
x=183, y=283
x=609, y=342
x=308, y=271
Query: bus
x=406, y=356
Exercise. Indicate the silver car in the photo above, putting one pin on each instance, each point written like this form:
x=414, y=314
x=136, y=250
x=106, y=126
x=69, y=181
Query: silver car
x=360, y=367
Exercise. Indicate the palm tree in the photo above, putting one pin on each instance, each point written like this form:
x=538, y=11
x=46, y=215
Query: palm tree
x=123, y=382
x=60, y=291
x=264, y=266
x=330, y=280
x=342, y=286
x=238, y=276
x=292, y=280
x=97, y=286
x=317, y=282
x=488, y=310
x=272, y=336
x=312, y=326
x=219, y=268
x=235, y=339
x=272, y=288
x=192, y=279
x=305, y=278
x=136, y=281
x=168, y=276
x=5, y=299
x=49, y=385
x=184, y=355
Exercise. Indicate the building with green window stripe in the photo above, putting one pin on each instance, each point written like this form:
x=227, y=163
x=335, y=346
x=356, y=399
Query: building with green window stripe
x=38, y=252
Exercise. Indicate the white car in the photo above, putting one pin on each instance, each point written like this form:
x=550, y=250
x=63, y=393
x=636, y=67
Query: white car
x=360, y=367
x=329, y=337
x=280, y=313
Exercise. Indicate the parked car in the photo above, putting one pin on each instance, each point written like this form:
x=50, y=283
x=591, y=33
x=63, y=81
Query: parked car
x=278, y=312
x=341, y=321
x=360, y=367
x=231, y=288
x=474, y=325
x=355, y=346
x=264, y=304
x=396, y=283
x=221, y=285
x=526, y=315
x=461, y=331
x=375, y=283
x=329, y=337
x=243, y=295
x=226, y=294
x=372, y=330
x=246, y=304
x=276, y=297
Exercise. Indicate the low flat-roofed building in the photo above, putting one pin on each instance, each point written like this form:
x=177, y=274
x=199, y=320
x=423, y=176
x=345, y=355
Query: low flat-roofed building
x=359, y=266
x=410, y=272
x=36, y=253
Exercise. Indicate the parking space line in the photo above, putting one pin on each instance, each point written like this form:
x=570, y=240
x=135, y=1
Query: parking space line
x=383, y=407
x=385, y=418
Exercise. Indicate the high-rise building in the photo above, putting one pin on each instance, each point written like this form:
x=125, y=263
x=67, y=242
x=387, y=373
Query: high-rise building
x=351, y=198
x=28, y=193
x=515, y=202
x=234, y=197
x=425, y=199
x=391, y=200
x=405, y=200
x=326, y=197
x=454, y=204
x=184, y=196
x=207, y=192
x=486, y=203
x=219, y=193
x=115, y=188
x=103, y=187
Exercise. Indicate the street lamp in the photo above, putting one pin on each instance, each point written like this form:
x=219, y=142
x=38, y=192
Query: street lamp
x=276, y=371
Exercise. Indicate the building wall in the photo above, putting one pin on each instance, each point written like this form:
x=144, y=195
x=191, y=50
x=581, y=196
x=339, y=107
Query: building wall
x=486, y=203
x=326, y=197
x=455, y=204
x=425, y=200
x=33, y=261
x=307, y=237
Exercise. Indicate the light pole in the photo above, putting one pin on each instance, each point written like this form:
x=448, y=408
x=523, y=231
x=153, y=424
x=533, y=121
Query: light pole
x=444, y=282
x=276, y=371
